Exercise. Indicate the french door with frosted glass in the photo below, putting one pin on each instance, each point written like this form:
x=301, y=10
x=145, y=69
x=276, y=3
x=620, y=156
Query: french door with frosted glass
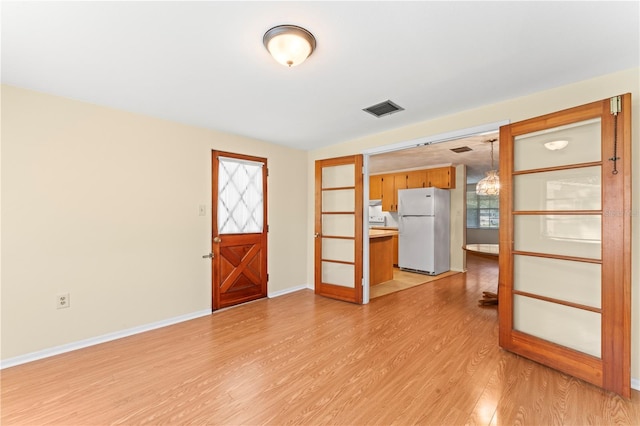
x=239, y=228
x=565, y=241
x=338, y=228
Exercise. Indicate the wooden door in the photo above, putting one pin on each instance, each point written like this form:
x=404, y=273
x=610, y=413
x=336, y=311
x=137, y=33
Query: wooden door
x=239, y=228
x=338, y=228
x=565, y=241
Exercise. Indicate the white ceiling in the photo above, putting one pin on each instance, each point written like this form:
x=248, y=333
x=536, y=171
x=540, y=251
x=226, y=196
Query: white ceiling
x=203, y=63
x=477, y=160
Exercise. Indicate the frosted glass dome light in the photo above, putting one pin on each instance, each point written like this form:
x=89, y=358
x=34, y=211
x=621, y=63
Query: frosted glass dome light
x=290, y=45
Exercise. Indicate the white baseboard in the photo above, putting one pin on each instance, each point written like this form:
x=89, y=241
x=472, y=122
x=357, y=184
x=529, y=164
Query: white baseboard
x=635, y=384
x=56, y=350
x=271, y=295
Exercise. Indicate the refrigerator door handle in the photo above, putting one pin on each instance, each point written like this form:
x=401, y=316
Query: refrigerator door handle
x=400, y=225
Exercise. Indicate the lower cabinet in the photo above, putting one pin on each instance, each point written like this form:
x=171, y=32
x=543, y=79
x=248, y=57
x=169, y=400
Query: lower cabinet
x=395, y=250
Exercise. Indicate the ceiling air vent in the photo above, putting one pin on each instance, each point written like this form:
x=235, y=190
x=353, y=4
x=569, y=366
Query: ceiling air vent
x=383, y=108
x=461, y=149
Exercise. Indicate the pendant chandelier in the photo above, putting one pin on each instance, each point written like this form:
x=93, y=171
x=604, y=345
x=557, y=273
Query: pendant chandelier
x=490, y=184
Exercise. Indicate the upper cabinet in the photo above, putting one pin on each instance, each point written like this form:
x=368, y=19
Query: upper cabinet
x=390, y=185
x=417, y=179
x=375, y=187
x=385, y=187
x=442, y=177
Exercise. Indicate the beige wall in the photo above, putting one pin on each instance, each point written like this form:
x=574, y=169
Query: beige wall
x=103, y=204
x=515, y=110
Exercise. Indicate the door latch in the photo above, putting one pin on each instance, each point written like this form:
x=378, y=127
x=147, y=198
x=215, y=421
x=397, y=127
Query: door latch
x=208, y=256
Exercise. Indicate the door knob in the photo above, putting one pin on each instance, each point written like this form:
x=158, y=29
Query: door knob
x=316, y=235
x=208, y=256
x=217, y=239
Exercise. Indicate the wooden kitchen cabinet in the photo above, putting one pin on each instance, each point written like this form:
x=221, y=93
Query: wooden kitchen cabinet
x=417, y=179
x=395, y=250
x=375, y=187
x=381, y=256
x=390, y=185
x=442, y=177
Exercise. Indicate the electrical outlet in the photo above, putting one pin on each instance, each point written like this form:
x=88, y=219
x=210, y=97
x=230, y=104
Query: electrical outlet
x=63, y=301
x=202, y=210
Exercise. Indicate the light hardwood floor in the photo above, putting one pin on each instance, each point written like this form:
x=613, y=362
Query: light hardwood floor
x=425, y=355
x=403, y=280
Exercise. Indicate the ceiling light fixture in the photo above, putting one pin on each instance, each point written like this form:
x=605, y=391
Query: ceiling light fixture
x=490, y=184
x=289, y=44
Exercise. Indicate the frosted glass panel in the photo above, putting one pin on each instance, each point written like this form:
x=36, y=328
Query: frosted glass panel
x=574, y=328
x=340, y=200
x=339, y=225
x=574, y=189
x=577, y=282
x=568, y=235
x=583, y=146
x=338, y=274
x=338, y=176
x=338, y=249
x=240, y=208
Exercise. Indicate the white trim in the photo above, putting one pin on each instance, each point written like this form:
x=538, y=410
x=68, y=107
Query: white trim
x=366, y=288
x=442, y=137
x=635, y=384
x=278, y=293
x=57, y=350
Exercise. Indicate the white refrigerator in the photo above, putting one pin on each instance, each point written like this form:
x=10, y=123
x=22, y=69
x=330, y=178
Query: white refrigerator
x=423, y=230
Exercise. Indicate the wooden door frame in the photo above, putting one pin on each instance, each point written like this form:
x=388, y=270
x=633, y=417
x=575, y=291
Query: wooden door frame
x=612, y=371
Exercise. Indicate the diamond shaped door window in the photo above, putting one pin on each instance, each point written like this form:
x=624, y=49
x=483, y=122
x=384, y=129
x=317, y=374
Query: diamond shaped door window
x=240, y=197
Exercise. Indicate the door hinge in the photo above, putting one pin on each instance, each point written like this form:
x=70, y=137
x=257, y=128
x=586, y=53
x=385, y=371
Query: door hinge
x=267, y=172
x=616, y=105
x=267, y=228
x=267, y=277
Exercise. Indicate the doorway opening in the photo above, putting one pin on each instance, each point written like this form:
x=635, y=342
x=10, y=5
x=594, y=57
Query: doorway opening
x=462, y=157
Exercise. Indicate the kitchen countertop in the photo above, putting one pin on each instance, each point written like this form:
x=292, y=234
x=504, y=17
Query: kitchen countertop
x=379, y=233
x=391, y=228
